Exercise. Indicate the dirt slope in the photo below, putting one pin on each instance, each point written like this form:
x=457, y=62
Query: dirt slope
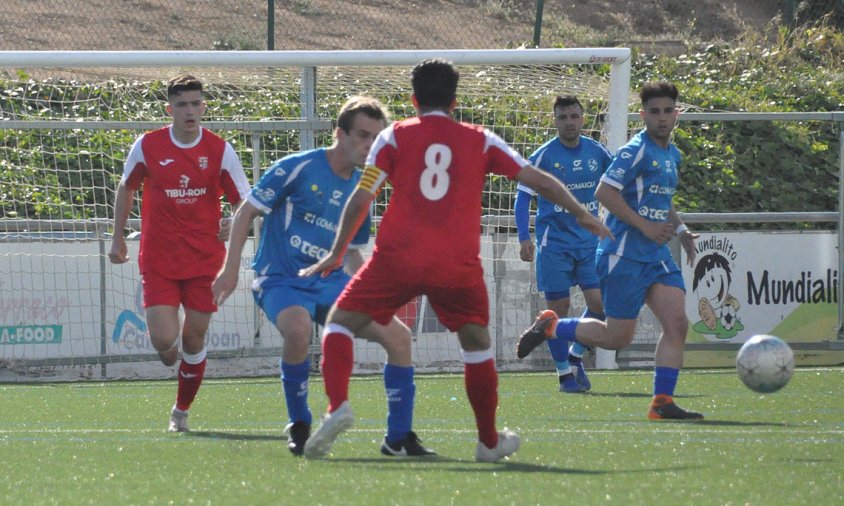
x=367, y=24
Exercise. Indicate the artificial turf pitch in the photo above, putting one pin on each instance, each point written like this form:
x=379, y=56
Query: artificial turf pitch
x=106, y=443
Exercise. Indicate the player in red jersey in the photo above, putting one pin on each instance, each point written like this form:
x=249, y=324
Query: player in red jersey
x=184, y=170
x=428, y=243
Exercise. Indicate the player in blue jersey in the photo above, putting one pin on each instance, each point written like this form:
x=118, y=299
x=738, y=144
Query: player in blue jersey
x=636, y=267
x=301, y=198
x=564, y=251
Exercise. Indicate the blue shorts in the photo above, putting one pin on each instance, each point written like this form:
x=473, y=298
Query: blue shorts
x=273, y=294
x=625, y=283
x=558, y=269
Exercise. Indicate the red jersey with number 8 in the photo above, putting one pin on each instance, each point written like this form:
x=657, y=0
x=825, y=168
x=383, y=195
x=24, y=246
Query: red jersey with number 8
x=438, y=169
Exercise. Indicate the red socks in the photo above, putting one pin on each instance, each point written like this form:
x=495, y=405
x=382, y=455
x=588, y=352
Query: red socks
x=337, y=363
x=190, y=377
x=481, y=381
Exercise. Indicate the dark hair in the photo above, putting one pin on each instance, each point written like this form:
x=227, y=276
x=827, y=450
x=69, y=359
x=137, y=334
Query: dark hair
x=434, y=83
x=185, y=82
x=567, y=101
x=708, y=263
x=363, y=105
x=658, y=89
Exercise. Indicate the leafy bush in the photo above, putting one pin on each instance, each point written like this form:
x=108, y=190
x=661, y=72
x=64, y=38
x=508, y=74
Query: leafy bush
x=758, y=166
x=729, y=166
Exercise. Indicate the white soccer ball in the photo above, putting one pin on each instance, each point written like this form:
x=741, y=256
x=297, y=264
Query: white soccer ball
x=765, y=363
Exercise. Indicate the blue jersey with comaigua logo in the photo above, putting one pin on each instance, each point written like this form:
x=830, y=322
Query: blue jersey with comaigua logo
x=302, y=199
x=646, y=175
x=579, y=169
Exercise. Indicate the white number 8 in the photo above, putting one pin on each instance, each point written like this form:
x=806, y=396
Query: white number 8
x=434, y=180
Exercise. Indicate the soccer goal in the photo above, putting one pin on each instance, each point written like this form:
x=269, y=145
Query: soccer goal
x=68, y=119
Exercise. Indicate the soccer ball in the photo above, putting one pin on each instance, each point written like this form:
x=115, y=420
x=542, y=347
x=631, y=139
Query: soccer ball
x=728, y=317
x=765, y=363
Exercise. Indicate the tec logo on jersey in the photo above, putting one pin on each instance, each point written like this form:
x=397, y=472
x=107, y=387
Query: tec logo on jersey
x=335, y=198
x=653, y=214
x=578, y=165
x=307, y=248
x=166, y=162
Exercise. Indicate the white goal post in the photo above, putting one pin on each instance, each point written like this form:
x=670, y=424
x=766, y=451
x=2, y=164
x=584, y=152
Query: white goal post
x=67, y=120
x=617, y=58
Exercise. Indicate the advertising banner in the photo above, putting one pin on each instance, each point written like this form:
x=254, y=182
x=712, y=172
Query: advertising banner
x=748, y=283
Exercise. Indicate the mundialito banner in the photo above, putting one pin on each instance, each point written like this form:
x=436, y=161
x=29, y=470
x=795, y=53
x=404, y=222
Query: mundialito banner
x=748, y=283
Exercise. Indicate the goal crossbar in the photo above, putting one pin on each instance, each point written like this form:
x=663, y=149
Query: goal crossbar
x=67, y=59
x=619, y=60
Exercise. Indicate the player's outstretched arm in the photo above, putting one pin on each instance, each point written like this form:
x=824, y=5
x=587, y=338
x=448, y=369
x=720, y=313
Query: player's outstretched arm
x=552, y=189
x=353, y=215
x=226, y=281
x=594, y=225
x=118, y=252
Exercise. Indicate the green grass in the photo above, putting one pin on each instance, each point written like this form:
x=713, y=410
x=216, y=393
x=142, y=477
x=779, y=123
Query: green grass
x=105, y=443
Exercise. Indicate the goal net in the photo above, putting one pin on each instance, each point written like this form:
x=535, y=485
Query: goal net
x=68, y=119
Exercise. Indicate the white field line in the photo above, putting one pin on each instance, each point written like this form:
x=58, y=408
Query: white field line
x=756, y=431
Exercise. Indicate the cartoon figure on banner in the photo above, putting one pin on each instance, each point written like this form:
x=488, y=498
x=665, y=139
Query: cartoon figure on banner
x=136, y=318
x=718, y=309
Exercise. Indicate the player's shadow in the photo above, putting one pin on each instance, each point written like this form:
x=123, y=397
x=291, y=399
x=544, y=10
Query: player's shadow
x=735, y=423
x=521, y=467
x=809, y=461
x=234, y=436
x=463, y=465
x=618, y=394
x=692, y=423
x=640, y=395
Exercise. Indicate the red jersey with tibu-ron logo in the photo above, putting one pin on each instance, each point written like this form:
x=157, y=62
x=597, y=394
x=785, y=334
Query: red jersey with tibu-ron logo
x=180, y=209
x=438, y=169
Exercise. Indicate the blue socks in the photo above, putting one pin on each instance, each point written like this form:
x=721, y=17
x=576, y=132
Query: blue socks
x=398, y=383
x=665, y=379
x=565, y=329
x=294, y=380
x=559, y=347
x=559, y=350
x=577, y=350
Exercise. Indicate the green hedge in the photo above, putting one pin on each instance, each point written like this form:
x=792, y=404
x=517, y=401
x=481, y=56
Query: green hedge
x=729, y=166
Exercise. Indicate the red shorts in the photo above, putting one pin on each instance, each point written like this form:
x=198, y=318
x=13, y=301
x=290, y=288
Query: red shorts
x=380, y=291
x=193, y=293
